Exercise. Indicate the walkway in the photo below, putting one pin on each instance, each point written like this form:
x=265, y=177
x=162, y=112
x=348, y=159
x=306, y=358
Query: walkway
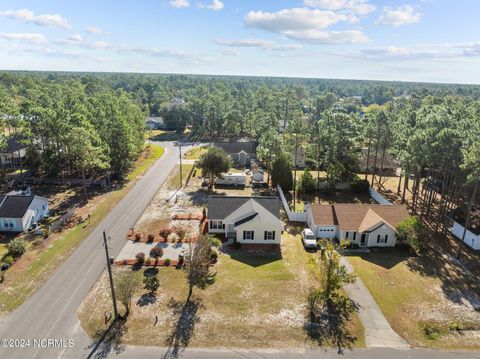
x=378, y=333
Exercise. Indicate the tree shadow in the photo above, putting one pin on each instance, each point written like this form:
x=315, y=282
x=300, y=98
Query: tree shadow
x=384, y=257
x=330, y=329
x=109, y=340
x=146, y=299
x=185, y=318
x=255, y=258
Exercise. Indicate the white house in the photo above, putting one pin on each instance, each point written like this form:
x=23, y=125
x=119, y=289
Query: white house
x=18, y=213
x=249, y=220
x=368, y=225
x=471, y=239
x=14, y=152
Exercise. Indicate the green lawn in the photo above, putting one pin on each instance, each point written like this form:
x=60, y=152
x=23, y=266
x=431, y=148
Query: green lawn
x=34, y=267
x=174, y=178
x=403, y=287
x=255, y=302
x=195, y=153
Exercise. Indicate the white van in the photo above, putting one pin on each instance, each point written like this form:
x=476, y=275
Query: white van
x=308, y=238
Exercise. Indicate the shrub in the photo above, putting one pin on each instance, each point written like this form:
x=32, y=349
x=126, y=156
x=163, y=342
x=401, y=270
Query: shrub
x=431, y=331
x=456, y=326
x=156, y=252
x=46, y=233
x=138, y=236
x=164, y=232
x=360, y=187
x=140, y=257
x=167, y=262
x=307, y=184
x=150, y=237
x=181, y=234
x=151, y=284
x=17, y=247
x=411, y=231
x=217, y=243
x=213, y=256
x=8, y=260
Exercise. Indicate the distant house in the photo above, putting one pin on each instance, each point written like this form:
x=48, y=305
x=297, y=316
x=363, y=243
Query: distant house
x=368, y=225
x=155, y=123
x=299, y=159
x=248, y=220
x=18, y=212
x=14, y=152
x=390, y=165
x=242, y=152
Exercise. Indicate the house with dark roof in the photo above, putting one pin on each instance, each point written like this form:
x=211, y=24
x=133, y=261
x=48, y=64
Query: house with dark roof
x=368, y=225
x=18, y=212
x=13, y=152
x=155, y=123
x=241, y=152
x=248, y=220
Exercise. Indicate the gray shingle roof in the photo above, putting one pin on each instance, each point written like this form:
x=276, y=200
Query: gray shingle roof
x=236, y=147
x=15, y=206
x=220, y=207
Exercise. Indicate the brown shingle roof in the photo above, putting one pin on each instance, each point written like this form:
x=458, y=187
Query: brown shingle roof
x=358, y=217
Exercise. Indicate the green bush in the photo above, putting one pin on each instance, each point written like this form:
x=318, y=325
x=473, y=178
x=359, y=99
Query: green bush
x=431, y=331
x=140, y=257
x=156, y=252
x=167, y=262
x=151, y=284
x=213, y=256
x=217, y=243
x=8, y=260
x=360, y=187
x=307, y=184
x=412, y=232
x=17, y=247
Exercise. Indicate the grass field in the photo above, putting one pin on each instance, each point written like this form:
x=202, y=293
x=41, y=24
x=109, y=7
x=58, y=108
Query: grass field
x=255, y=302
x=32, y=270
x=410, y=292
x=195, y=153
x=174, y=178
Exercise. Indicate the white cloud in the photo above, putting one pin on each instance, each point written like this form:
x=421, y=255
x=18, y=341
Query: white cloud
x=216, y=5
x=93, y=30
x=28, y=16
x=359, y=7
x=179, y=3
x=306, y=25
x=246, y=43
x=399, y=16
x=231, y=52
x=100, y=45
x=24, y=37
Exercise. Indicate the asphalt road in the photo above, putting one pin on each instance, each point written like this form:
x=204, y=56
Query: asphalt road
x=50, y=313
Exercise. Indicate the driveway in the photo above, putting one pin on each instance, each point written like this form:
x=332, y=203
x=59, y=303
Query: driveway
x=378, y=332
x=50, y=313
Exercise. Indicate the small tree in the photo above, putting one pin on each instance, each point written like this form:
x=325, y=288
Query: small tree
x=125, y=286
x=156, y=252
x=282, y=173
x=151, y=284
x=306, y=185
x=197, y=265
x=411, y=231
x=17, y=247
x=213, y=163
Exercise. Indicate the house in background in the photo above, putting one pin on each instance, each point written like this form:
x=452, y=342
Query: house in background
x=19, y=212
x=390, y=164
x=367, y=225
x=155, y=123
x=248, y=220
x=241, y=152
x=14, y=152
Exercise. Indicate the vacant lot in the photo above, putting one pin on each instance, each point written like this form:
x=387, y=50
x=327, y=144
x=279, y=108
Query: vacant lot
x=426, y=301
x=257, y=301
x=195, y=153
x=43, y=258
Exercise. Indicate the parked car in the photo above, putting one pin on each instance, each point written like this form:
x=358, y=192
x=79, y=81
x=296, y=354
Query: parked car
x=308, y=238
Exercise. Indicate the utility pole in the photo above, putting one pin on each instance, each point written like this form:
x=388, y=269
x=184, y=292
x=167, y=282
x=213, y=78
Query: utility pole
x=180, y=166
x=115, y=310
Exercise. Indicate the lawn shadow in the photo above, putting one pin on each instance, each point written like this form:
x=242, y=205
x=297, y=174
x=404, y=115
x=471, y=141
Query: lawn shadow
x=146, y=299
x=383, y=257
x=327, y=330
x=109, y=340
x=255, y=258
x=185, y=318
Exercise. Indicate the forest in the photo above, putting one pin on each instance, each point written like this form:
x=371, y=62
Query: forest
x=87, y=124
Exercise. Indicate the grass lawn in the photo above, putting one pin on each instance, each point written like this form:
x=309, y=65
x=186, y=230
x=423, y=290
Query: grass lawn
x=255, y=302
x=173, y=180
x=413, y=292
x=195, y=153
x=32, y=270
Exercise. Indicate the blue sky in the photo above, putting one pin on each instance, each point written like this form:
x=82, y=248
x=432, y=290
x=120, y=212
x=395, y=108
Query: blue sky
x=416, y=40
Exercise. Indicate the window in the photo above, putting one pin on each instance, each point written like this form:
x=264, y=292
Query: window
x=386, y=238
x=354, y=235
x=346, y=235
x=382, y=240
x=5, y=223
x=269, y=235
x=11, y=223
x=378, y=239
x=216, y=225
x=247, y=234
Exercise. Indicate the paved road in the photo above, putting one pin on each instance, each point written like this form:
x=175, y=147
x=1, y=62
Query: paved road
x=372, y=353
x=378, y=332
x=51, y=311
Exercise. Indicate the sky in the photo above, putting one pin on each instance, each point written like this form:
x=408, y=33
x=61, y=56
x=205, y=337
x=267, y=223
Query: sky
x=406, y=40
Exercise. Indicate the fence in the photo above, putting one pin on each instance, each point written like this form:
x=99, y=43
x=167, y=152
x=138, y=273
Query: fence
x=378, y=197
x=62, y=221
x=292, y=216
x=66, y=181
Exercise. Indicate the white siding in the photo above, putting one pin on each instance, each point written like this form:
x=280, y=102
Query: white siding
x=382, y=231
x=470, y=240
x=259, y=227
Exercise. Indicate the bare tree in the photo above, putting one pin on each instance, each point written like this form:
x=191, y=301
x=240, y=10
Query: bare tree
x=125, y=286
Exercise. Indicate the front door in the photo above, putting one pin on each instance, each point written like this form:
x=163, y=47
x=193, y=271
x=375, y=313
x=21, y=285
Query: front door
x=363, y=241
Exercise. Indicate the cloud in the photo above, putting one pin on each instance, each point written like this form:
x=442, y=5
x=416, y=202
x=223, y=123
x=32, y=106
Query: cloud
x=246, y=43
x=33, y=38
x=359, y=7
x=306, y=25
x=28, y=16
x=216, y=5
x=93, y=30
x=77, y=40
x=179, y=3
x=230, y=52
x=399, y=16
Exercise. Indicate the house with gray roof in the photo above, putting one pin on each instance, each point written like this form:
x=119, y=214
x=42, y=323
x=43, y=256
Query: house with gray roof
x=241, y=152
x=19, y=212
x=248, y=220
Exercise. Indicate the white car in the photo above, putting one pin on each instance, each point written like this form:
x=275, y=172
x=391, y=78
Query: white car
x=308, y=238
